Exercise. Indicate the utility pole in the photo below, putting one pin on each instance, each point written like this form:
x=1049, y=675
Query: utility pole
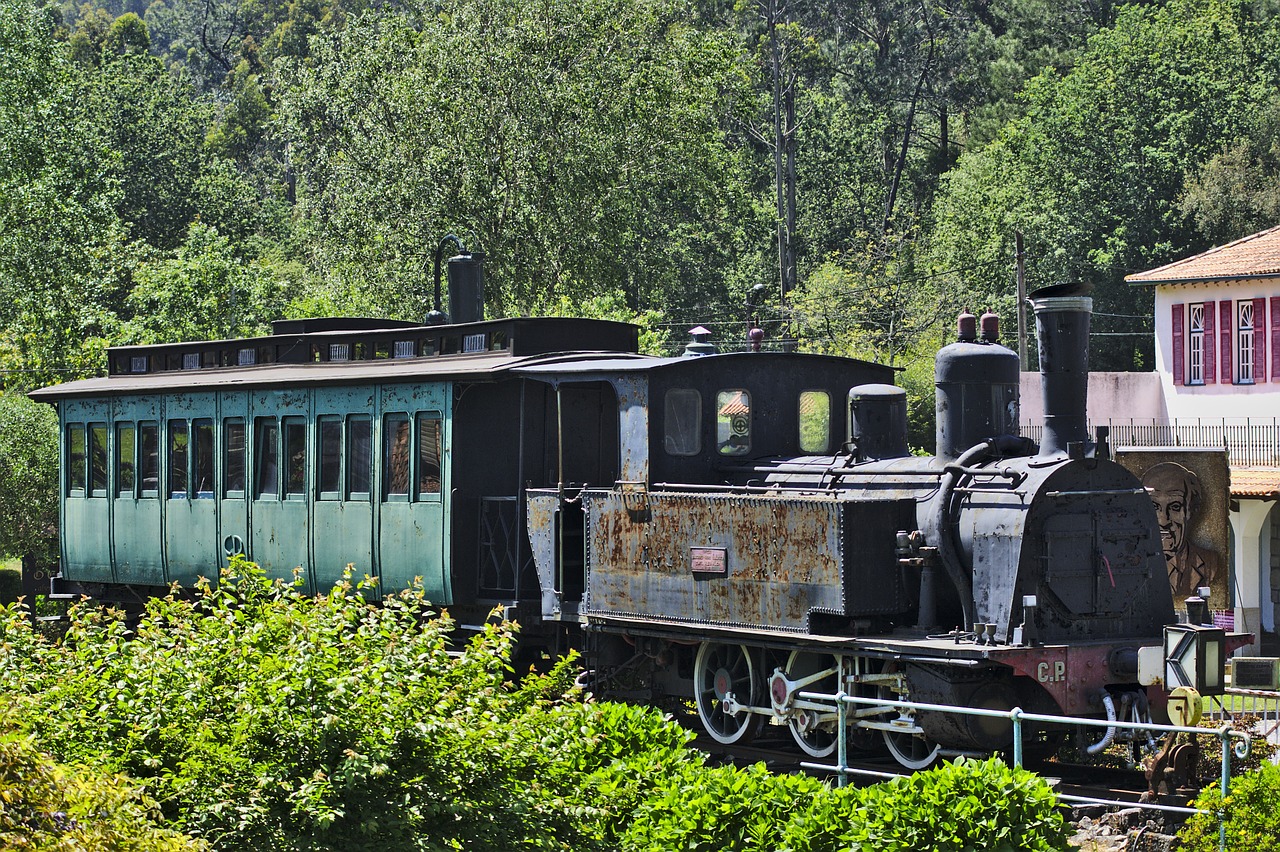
x=1020, y=275
x=784, y=168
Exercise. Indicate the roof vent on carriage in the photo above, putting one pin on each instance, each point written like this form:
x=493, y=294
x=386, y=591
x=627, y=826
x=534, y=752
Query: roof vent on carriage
x=701, y=343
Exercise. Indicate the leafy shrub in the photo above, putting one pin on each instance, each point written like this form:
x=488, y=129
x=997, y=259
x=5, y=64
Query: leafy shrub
x=10, y=583
x=262, y=718
x=265, y=719
x=1252, y=811
x=965, y=805
x=50, y=807
x=968, y=804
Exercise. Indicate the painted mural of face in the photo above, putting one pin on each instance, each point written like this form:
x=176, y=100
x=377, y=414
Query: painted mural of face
x=1177, y=495
x=1171, y=496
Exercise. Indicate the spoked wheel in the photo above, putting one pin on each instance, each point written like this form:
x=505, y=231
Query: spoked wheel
x=909, y=747
x=815, y=731
x=719, y=671
x=913, y=751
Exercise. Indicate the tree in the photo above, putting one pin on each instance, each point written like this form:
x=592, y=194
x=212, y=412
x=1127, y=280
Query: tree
x=580, y=145
x=203, y=292
x=28, y=478
x=1237, y=192
x=1094, y=172
x=62, y=245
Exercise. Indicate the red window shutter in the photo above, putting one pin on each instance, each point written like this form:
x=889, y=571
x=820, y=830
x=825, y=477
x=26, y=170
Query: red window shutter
x=1275, y=338
x=1259, y=340
x=1210, y=343
x=1179, y=354
x=1225, y=328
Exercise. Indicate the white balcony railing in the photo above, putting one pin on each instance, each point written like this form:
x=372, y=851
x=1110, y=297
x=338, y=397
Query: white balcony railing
x=1250, y=442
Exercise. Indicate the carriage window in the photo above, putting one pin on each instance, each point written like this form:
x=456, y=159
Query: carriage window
x=428, y=454
x=683, y=417
x=815, y=421
x=178, y=446
x=295, y=457
x=203, y=457
x=359, y=458
x=98, y=459
x=233, y=457
x=733, y=422
x=77, y=475
x=266, y=445
x=329, y=457
x=395, y=455
x=149, y=458
x=126, y=449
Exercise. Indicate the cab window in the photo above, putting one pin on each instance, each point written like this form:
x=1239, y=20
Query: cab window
x=733, y=422
x=682, y=414
x=815, y=421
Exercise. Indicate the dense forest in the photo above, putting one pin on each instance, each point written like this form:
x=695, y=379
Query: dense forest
x=184, y=169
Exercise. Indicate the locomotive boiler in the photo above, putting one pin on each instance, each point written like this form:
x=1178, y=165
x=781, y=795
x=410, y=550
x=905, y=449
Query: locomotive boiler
x=994, y=574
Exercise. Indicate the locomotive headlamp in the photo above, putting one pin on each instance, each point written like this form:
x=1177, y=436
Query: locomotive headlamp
x=1194, y=656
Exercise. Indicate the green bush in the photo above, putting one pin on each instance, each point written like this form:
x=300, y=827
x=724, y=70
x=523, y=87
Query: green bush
x=1252, y=814
x=10, y=583
x=262, y=718
x=44, y=806
x=966, y=805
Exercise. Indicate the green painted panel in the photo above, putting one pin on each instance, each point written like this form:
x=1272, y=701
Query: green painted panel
x=343, y=484
x=279, y=526
x=187, y=480
x=135, y=502
x=413, y=487
x=86, y=511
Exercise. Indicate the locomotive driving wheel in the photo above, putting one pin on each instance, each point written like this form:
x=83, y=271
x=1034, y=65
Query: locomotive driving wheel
x=905, y=741
x=814, y=730
x=724, y=685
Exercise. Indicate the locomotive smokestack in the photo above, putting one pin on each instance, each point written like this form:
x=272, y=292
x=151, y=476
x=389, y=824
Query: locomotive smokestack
x=1062, y=330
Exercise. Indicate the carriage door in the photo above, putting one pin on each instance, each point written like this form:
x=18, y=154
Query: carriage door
x=136, y=490
x=413, y=439
x=279, y=529
x=86, y=518
x=233, y=477
x=343, y=515
x=190, y=510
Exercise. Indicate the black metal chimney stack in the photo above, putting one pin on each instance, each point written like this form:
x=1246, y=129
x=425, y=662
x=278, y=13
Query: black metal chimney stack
x=1062, y=330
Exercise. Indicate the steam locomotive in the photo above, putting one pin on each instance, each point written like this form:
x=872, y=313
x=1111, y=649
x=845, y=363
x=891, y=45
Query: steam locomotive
x=993, y=574
x=728, y=529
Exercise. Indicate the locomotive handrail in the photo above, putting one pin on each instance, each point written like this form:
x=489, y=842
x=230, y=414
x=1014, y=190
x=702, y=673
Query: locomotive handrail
x=1017, y=716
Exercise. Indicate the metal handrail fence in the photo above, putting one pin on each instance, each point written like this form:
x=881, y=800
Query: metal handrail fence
x=1262, y=705
x=1249, y=441
x=1017, y=716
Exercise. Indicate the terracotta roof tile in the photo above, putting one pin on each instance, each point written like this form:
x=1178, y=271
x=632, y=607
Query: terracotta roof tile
x=1261, y=482
x=1254, y=256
